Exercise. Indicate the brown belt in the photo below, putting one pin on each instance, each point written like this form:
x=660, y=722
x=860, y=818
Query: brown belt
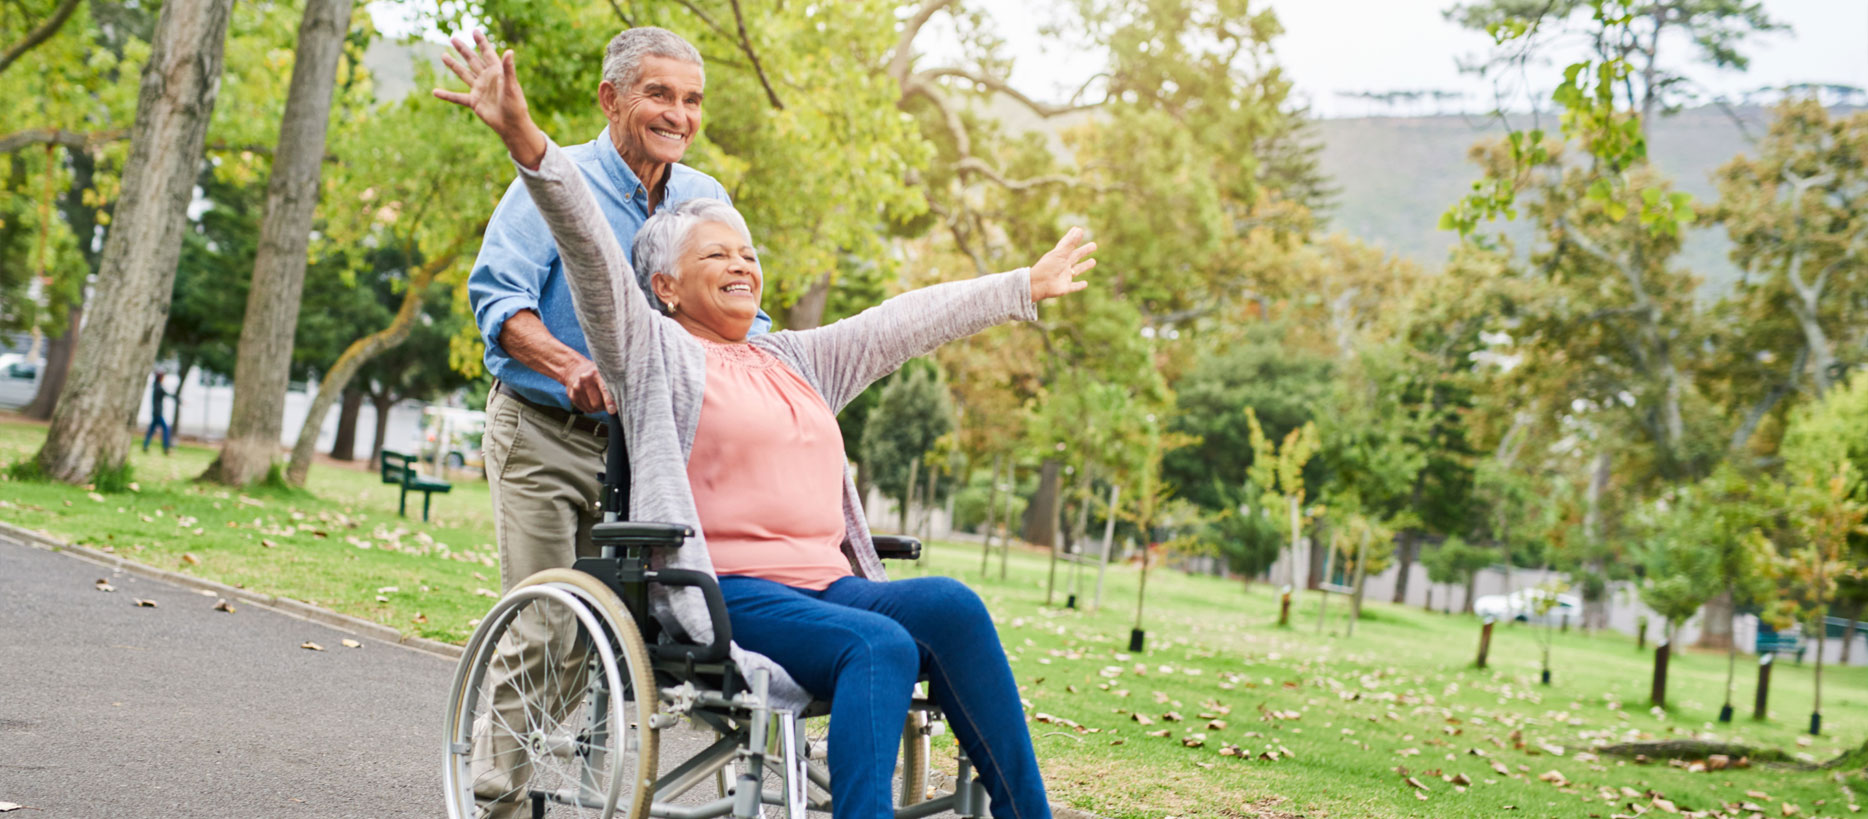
x=579, y=422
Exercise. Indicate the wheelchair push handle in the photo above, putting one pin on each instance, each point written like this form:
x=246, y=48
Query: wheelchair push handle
x=615, y=475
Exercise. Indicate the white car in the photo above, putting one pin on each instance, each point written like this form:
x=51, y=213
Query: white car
x=19, y=380
x=1524, y=605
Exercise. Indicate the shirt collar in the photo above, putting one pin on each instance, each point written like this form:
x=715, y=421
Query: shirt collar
x=625, y=178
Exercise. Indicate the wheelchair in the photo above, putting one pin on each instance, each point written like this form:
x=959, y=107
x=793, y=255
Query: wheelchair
x=571, y=728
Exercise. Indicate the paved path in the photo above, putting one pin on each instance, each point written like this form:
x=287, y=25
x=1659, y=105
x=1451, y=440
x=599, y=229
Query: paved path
x=108, y=709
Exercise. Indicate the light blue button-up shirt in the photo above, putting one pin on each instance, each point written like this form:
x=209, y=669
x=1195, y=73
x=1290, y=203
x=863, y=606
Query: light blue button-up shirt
x=519, y=269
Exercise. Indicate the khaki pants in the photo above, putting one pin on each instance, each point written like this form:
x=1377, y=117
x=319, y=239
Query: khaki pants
x=543, y=477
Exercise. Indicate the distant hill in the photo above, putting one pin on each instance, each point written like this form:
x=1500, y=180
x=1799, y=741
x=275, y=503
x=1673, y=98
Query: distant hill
x=1396, y=175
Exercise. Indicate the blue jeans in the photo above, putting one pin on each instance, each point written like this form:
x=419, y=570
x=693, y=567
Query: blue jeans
x=861, y=645
x=157, y=422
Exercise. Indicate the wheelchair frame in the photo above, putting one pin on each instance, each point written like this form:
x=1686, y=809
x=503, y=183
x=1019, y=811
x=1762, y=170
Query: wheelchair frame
x=700, y=682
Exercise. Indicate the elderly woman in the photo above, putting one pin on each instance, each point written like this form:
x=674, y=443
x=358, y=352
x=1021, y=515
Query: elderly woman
x=739, y=440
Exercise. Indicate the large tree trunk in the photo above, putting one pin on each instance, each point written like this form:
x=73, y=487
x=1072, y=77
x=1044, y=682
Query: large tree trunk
x=137, y=271
x=345, y=447
x=82, y=218
x=1404, y=552
x=1041, y=515
x=263, y=369
x=57, y=369
x=1717, y=630
x=992, y=494
x=381, y=402
x=186, y=366
x=808, y=311
x=359, y=353
x=1595, y=609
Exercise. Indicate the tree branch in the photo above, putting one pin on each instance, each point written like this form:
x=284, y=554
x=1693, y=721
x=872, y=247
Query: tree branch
x=976, y=165
x=1041, y=109
x=39, y=35
x=898, y=63
x=745, y=44
x=56, y=136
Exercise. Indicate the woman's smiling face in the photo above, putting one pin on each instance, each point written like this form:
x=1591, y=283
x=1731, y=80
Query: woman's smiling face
x=716, y=291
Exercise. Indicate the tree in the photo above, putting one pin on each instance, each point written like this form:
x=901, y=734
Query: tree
x=1525, y=29
x=265, y=350
x=1795, y=217
x=1456, y=562
x=176, y=98
x=1279, y=471
x=912, y=414
x=1681, y=570
x=1823, y=516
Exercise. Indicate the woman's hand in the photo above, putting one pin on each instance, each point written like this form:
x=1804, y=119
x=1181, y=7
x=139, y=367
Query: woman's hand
x=1056, y=273
x=494, y=94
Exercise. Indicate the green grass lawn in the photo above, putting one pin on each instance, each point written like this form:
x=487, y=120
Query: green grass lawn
x=1343, y=715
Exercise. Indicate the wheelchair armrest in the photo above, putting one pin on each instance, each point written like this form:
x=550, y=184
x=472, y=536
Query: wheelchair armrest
x=897, y=547
x=716, y=611
x=640, y=533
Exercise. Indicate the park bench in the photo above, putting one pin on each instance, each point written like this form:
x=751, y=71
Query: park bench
x=399, y=468
x=1771, y=642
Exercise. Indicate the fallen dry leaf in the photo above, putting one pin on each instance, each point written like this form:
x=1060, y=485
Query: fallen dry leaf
x=148, y=604
x=1554, y=777
x=10, y=806
x=190, y=559
x=1665, y=805
x=223, y=605
x=1161, y=733
x=311, y=645
x=1415, y=784
x=487, y=593
x=349, y=643
x=1142, y=718
x=1462, y=780
x=1501, y=769
x=264, y=542
x=1791, y=810
x=104, y=585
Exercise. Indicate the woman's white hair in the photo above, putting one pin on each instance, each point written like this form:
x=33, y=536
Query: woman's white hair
x=662, y=239
x=622, y=60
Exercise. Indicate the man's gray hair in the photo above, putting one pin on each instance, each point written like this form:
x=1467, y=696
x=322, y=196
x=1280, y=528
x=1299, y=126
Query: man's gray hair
x=622, y=60
x=664, y=237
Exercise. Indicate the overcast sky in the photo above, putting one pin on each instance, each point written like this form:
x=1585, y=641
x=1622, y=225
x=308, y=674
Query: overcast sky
x=1333, y=46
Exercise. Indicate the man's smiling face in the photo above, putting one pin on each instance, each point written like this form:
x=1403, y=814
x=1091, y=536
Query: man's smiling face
x=654, y=122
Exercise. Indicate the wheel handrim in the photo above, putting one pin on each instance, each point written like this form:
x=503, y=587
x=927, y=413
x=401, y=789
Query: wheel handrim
x=561, y=732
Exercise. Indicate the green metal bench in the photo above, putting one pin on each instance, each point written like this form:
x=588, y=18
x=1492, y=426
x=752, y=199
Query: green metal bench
x=1772, y=642
x=399, y=468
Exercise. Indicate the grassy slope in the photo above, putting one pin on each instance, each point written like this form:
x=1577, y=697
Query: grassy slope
x=1400, y=693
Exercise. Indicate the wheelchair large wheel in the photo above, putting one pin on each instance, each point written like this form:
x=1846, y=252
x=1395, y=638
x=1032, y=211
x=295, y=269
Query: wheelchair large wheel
x=551, y=707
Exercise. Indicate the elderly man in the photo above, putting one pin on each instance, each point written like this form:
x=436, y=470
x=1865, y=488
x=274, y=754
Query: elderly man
x=544, y=442
x=543, y=446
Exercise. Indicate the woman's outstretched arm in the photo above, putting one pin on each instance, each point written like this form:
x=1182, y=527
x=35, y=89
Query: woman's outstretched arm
x=849, y=355
x=603, y=288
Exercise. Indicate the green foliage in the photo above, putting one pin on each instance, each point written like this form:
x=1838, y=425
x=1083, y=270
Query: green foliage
x=1682, y=571
x=1284, y=387
x=113, y=479
x=910, y=415
x=1455, y=561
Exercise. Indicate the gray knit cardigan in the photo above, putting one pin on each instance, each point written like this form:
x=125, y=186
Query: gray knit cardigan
x=658, y=371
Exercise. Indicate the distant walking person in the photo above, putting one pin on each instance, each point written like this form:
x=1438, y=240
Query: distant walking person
x=156, y=420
